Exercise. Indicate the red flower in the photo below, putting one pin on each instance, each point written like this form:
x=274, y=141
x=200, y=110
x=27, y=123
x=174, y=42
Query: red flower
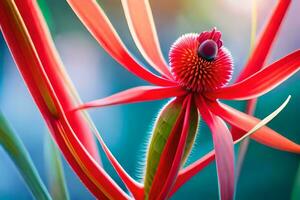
x=200, y=67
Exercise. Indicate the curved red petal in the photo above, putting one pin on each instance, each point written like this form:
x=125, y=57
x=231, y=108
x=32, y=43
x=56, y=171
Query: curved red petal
x=264, y=135
x=224, y=150
x=194, y=168
x=54, y=69
x=191, y=170
x=135, y=188
x=24, y=53
x=137, y=94
x=95, y=20
x=95, y=173
x=265, y=41
x=262, y=81
x=141, y=25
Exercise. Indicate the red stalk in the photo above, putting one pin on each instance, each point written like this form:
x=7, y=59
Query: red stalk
x=25, y=56
x=54, y=69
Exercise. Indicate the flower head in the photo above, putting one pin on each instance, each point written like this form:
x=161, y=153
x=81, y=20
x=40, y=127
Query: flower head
x=199, y=62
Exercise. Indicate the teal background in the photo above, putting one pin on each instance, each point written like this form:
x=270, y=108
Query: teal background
x=267, y=173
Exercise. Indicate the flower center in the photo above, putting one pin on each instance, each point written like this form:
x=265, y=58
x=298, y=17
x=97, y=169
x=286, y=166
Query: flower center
x=199, y=62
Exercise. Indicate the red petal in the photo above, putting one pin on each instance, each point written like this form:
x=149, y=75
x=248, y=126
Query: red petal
x=265, y=41
x=88, y=166
x=194, y=168
x=261, y=82
x=135, y=188
x=190, y=171
x=264, y=135
x=95, y=20
x=224, y=151
x=137, y=94
x=170, y=160
x=24, y=53
x=54, y=69
x=141, y=25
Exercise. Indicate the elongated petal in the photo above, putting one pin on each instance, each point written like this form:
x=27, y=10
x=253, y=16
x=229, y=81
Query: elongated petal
x=54, y=69
x=197, y=166
x=135, y=188
x=256, y=62
x=88, y=166
x=224, y=151
x=264, y=135
x=141, y=25
x=95, y=20
x=137, y=94
x=261, y=82
x=188, y=172
x=24, y=53
x=15, y=148
x=265, y=41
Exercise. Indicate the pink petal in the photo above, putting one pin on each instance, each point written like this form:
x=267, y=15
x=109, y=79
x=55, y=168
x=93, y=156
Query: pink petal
x=264, y=135
x=137, y=94
x=224, y=151
x=170, y=160
x=262, y=81
x=266, y=39
x=95, y=20
x=141, y=25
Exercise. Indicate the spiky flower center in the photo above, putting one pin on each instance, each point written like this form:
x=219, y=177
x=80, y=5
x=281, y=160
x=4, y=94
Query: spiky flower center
x=199, y=62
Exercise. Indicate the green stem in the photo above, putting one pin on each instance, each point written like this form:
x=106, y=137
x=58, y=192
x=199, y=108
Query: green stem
x=57, y=183
x=18, y=153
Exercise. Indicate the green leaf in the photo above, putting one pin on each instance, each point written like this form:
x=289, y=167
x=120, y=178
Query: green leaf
x=18, y=153
x=57, y=183
x=160, y=134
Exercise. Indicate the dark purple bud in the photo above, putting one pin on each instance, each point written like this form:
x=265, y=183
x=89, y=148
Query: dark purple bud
x=208, y=50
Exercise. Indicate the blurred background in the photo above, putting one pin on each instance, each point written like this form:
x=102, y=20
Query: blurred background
x=267, y=173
